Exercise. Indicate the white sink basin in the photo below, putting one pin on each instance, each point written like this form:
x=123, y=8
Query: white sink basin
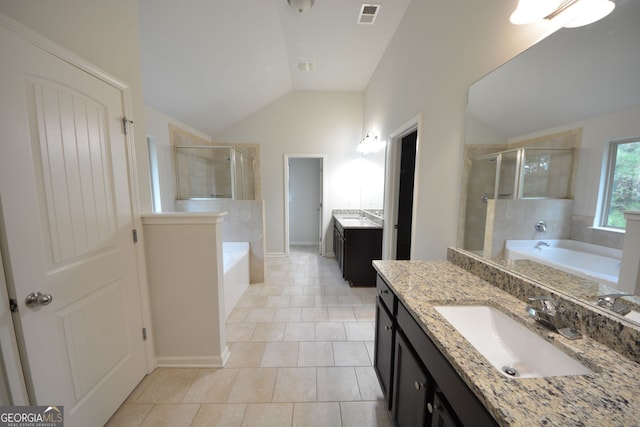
x=633, y=315
x=514, y=350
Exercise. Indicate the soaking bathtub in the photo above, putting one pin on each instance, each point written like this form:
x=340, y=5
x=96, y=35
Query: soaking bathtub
x=586, y=260
x=235, y=261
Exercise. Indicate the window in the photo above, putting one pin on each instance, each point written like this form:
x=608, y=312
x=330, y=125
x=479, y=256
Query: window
x=622, y=183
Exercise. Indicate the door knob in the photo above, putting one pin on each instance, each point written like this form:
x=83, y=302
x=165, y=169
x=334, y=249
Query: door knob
x=35, y=299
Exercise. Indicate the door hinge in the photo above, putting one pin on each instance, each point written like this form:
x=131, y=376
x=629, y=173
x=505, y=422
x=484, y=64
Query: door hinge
x=13, y=305
x=135, y=235
x=144, y=334
x=125, y=124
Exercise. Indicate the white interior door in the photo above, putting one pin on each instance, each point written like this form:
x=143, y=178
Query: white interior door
x=67, y=222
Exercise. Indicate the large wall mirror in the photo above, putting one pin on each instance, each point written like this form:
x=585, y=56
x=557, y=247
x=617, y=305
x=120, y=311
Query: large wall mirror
x=543, y=120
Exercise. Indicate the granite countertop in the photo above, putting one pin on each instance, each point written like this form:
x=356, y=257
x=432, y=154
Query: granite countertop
x=354, y=221
x=609, y=396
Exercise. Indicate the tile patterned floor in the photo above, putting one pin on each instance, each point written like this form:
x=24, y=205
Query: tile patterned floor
x=301, y=355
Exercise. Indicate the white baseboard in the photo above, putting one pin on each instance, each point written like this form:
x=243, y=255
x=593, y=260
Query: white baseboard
x=194, y=361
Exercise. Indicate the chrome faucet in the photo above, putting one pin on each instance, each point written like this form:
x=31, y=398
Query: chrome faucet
x=611, y=302
x=546, y=313
x=541, y=243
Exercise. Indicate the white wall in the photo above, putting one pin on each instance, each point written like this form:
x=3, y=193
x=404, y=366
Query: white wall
x=304, y=200
x=157, y=124
x=104, y=33
x=304, y=122
x=439, y=49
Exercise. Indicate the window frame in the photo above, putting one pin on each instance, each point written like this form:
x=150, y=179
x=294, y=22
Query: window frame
x=604, y=206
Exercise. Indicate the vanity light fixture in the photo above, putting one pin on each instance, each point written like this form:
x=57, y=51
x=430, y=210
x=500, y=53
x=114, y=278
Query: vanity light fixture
x=573, y=13
x=300, y=6
x=370, y=143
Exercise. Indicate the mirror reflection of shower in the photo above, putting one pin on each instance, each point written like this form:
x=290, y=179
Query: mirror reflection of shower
x=519, y=173
x=214, y=172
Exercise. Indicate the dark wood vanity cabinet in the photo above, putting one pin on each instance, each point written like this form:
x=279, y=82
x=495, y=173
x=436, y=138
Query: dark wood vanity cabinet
x=420, y=386
x=355, y=248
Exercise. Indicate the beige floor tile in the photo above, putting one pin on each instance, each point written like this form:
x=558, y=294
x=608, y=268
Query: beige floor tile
x=291, y=290
x=370, y=349
x=330, y=331
x=254, y=290
x=301, y=301
x=280, y=354
x=315, y=314
x=268, y=415
x=130, y=415
x=253, y=385
x=211, y=386
x=171, y=415
x=142, y=385
x=265, y=332
x=325, y=300
x=350, y=353
x=365, y=313
x=337, y=384
x=319, y=353
x=220, y=415
x=343, y=314
x=251, y=301
x=169, y=385
x=241, y=331
x=260, y=315
x=302, y=331
x=237, y=315
x=368, y=383
x=312, y=290
x=270, y=290
x=349, y=300
x=245, y=355
x=295, y=385
x=364, y=414
x=317, y=414
x=277, y=301
x=288, y=314
x=359, y=331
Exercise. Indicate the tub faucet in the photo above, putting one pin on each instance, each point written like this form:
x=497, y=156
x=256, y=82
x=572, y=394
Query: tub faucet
x=611, y=301
x=541, y=243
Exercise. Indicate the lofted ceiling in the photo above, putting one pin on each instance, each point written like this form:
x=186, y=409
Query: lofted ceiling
x=212, y=63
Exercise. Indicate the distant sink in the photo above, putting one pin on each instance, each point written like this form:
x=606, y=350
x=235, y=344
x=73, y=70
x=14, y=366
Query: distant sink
x=633, y=315
x=514, y=350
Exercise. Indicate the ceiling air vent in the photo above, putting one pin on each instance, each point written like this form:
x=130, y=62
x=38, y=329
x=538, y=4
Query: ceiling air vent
x=368, y=13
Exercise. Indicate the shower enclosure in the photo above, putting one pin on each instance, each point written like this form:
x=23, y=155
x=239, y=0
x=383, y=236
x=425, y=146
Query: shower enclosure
x=519, y=173
x=211, y=172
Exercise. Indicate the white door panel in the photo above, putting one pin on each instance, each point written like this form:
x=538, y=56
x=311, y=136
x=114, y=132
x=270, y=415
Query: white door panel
x=64, y=189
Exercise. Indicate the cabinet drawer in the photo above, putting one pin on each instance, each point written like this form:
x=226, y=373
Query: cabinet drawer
x=461, y=399
x=386, y=295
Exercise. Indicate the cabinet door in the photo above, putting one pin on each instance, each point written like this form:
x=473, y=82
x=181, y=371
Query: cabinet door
x=410, y=387
x=442, y=416
x=383, y=352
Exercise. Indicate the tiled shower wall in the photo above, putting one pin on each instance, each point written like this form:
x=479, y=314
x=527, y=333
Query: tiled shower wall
x=244, y=223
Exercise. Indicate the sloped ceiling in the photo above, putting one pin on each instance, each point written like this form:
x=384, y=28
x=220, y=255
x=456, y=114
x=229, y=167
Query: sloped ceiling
x=211, y=63
x=573, y=75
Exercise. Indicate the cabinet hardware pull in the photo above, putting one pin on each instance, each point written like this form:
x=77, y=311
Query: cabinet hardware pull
x=418, y=385
x=430, y=408
x=384, y=291
x=388, y=328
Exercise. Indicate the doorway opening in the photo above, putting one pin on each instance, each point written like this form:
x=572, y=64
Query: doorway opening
x=304, y=201
x=400, y=189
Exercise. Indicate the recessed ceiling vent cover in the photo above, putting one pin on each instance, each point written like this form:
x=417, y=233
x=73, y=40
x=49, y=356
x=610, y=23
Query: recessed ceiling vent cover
x=368, y=13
